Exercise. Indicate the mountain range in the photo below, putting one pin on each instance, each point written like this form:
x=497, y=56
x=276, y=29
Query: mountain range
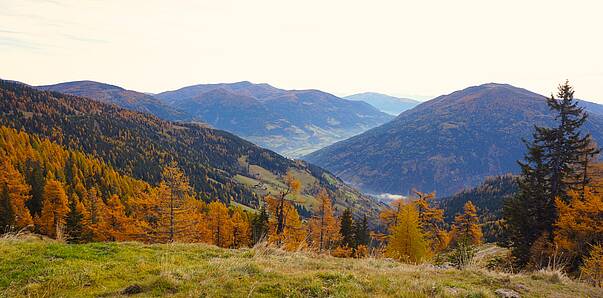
x=447, y=144
x=219, y=164
x=385, y=103
x=291, y=122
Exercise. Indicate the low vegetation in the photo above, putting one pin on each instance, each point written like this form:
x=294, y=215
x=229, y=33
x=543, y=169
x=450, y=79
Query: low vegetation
x=46, y=268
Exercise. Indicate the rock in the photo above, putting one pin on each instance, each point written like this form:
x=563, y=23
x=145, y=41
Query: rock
x=131, y=290
x=522, y=288
x=507, y=293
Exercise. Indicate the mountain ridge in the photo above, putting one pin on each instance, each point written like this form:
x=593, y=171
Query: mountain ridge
x=446, y=144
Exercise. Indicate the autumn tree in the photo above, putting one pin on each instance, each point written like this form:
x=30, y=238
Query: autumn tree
x=323, y=226
x=431, y=220
x=466, y=228
x=292, y=188
x=361, y=232
x=241, y=228
x=15, y=195
x=407, y=242
x=54, y=209
x=174, y=190
x=580, y=224
x=219, y=224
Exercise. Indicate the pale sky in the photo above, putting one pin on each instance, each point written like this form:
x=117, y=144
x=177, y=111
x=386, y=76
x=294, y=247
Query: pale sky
x=397, y=47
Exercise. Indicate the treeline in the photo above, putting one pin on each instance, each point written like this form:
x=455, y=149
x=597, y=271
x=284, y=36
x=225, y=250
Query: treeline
x=556, y=218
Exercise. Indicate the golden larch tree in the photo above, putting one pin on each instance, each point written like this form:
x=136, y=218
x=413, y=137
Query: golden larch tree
x=407, y=242
x=323, y=226
x=466, y=226
x=54, y=209
x=219, y=224
x=17, y=192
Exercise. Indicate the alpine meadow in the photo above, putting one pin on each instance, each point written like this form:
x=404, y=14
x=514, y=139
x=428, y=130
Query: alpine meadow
x=301, y=149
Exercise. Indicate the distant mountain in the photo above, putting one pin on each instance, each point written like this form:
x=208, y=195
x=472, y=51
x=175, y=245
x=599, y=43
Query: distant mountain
x=385, y=103
x=291, y=122
x=446, y=144
x=219, y=165
x=127, y=99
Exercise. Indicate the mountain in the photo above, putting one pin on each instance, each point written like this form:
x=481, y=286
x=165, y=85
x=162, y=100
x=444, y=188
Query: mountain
x=446, y=144
x=218, y=164
x=291, y=122
x=385, y=103
x=127, y=99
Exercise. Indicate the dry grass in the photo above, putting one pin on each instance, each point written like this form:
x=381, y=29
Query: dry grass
x=40, y=268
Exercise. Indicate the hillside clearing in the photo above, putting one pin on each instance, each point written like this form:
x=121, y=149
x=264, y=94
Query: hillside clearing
x=50, y=269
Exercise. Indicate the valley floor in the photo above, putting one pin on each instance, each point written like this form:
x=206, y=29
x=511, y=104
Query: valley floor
x=43, y=268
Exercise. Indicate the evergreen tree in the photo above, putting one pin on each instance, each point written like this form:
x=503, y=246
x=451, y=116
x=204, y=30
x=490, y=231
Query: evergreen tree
x=7, y=212
x=555, y=164
x=361, y=232
x=74, y=223
x=346, y=229
x=260, y=225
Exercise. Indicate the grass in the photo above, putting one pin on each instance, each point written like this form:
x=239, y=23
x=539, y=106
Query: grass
x=44, y=268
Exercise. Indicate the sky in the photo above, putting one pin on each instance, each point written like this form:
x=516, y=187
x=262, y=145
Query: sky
x=419, y=49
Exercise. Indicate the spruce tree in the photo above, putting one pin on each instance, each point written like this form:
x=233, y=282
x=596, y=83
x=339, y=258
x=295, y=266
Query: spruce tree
x=74, y=222
x=259, y=226
x=553, y=166
x=361, y=232
x=347, y=229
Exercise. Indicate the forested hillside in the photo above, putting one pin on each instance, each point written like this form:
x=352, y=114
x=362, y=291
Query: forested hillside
x=447, y=144
x=218, y=164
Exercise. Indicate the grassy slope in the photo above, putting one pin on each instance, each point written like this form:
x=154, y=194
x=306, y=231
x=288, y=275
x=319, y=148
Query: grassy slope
x=44, y=268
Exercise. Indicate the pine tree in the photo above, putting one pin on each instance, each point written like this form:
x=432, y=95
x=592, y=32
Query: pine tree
x=407, y=242
x=346, y=229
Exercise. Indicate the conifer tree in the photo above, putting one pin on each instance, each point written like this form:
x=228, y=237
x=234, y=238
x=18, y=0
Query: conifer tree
x=18, y=195
x=346, y=229
x=431, y=220
x=219, y=224
x=361, y=232
x=466, y=227
x=74, y=223
x=293, y=187
x=174, y=190
x=407, y=242
x=555, y=164
x=241, y=229
x=54, y=209
x=260, y=225
x=7, y=212
x=323, y=226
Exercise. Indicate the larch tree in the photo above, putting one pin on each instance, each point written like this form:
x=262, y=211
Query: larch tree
x=466, y=228
x=15, y=213
x=579, y=226
x=174, y=190
x=323, y=225
x=54, y=209
x=407, y=242
x=293, y=187
x=431, y=220
x=219, y=224
x=241, y=228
